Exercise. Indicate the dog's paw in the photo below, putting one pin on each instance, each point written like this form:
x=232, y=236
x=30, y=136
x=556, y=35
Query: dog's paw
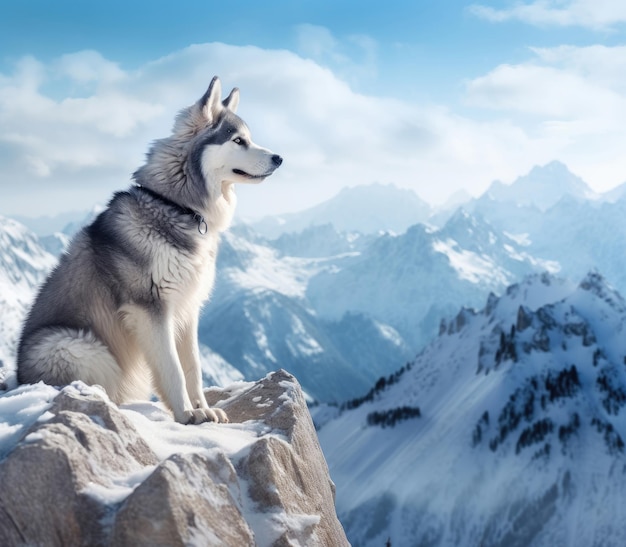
x=221, y=415
x=201, y=415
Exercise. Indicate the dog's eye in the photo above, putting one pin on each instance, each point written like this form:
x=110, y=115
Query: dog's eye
x=238, y=140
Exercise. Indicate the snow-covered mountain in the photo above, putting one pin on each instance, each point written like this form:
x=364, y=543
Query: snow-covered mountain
x=321, y=241
x=412, y=280
x=516, y=206
x=45, y=225
x=542, y=187
x=259, y=319
x=558, y=218
x=508, y=429
x=577, y=234
x=23, y=266
x=367, y=209
x=619, y=192
x=583, y=235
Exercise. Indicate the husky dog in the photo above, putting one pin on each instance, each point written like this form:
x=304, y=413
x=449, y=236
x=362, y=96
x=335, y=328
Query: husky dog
x=121, y=308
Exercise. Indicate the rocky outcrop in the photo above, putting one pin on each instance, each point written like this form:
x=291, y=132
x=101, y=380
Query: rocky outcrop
x=89, y=473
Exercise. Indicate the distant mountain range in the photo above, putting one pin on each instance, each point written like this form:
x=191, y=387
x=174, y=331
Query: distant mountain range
x=340, y=307
x=509, y=428
x=412, y=280
x=367, y=209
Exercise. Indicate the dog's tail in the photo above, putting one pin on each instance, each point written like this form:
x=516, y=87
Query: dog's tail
x=60, y=355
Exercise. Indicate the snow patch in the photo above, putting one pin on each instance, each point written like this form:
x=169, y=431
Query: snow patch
x=469, y=265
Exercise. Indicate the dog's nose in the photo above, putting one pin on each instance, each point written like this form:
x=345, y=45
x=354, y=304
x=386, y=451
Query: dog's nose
x=277, y=160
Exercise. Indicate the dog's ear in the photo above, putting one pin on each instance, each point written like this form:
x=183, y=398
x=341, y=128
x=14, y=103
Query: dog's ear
x=210, y=103
x=232, y=101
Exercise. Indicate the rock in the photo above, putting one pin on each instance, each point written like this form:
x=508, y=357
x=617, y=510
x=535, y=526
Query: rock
x=287, y=474
x=90, y=473
x=188, y=497
x=45, y=480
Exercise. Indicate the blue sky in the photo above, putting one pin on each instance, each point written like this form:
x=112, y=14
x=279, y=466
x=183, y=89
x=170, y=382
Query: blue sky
x=429, y=95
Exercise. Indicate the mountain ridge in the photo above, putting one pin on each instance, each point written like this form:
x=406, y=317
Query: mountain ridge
x=508, y=405
x=363, y=208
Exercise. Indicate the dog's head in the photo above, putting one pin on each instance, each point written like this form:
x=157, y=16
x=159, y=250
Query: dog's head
x=222, y=147
x=209, y=150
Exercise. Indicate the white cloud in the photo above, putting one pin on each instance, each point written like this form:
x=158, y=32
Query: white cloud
x=88, y=66
x=51, y=136
x=72, y=149
x=545, y=91
x=602, y=65
x=571, y=99
x=329, y=135
x=595, y=14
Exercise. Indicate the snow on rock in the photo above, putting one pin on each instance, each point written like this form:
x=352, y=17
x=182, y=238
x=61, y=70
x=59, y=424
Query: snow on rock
x=77, y=470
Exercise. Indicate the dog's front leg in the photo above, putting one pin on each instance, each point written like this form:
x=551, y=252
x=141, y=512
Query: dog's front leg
x=187, y=346
x=156, y=339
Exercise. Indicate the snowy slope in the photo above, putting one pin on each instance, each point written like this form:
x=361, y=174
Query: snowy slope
x=508, y=429
x=23, y=266
x=320, y=241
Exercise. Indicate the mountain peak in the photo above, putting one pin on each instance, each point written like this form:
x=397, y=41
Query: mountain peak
x=542, y=187
x=367, y=209
x=595, y=284
x=554, y=166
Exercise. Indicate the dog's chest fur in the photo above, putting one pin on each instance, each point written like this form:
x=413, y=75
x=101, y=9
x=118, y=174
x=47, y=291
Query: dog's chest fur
x=184, y=277
x=173, y=263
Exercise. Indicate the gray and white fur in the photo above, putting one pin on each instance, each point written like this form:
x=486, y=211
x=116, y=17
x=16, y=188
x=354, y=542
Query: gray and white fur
x=121, y=308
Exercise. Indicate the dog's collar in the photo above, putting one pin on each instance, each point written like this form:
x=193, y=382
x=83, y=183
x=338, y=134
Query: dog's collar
x=202, y=225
